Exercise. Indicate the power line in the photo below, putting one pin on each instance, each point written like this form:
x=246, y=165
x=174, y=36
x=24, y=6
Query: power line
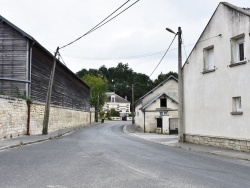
x=101, y=23
x=184, y=45
x=62, y=59
x=163, y=55
x=139, y=56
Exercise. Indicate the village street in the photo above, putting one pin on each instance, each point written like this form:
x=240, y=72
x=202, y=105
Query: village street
x=103, y=155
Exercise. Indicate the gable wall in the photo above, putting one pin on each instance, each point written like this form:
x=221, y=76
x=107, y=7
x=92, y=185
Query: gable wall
x=170, y=87
x=208, y=97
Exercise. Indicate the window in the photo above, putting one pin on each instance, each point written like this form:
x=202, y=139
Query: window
x=209, y=59
x=237, y=106
x=208, y=56
x=163, y=102
x=237, y=50
x=240, y=50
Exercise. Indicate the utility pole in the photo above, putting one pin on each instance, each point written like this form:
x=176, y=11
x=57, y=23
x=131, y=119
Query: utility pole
x=97, y=109
x=133, y=110
x=48, y=99
x=180, y=87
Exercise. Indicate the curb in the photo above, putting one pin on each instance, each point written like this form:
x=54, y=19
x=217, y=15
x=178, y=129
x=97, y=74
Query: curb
x=38, y=141
x=48, y=138
x=218, y=153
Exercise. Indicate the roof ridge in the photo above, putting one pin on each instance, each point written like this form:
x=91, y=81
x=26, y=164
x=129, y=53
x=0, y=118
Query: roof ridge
x=242, y=10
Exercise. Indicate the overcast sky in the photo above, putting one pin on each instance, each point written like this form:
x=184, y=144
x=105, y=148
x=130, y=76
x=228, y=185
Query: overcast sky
x=137, y=37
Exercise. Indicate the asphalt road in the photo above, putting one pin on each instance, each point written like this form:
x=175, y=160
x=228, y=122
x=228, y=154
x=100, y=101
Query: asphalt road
x=104, y=156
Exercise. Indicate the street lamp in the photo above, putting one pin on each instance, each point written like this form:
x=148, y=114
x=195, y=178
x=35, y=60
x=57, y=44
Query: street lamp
x=180, y=84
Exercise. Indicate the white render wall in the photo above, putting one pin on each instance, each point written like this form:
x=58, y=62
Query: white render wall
x=208, y=97
x=151, y=114
x=139, y=116
x=170, y=87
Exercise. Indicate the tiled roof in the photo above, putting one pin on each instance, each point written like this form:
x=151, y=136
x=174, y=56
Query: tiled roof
x=118, y=99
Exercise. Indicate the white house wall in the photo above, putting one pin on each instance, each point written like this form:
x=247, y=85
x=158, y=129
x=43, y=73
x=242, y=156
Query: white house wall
x=151, y=114
x=170, y=87
x=208, y=97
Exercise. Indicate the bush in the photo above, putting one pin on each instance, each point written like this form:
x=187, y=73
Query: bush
x=114, y=113
x=101, y=114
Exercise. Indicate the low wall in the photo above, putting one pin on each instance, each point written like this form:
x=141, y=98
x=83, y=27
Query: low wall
x=116, y=118
x=240, y=145
x=14, y=117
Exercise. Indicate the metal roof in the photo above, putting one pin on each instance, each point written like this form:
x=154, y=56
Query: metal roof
x=26, y=35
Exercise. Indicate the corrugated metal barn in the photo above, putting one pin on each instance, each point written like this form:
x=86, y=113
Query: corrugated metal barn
x=25, y=68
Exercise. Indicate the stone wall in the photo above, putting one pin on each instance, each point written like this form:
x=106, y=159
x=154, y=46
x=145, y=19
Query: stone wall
x=13, y=117
x=60, y=118
x=235, y=144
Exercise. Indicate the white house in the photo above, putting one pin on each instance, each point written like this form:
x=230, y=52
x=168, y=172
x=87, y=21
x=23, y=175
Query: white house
x=216, y=78
x=114, y=101
x=158, y=107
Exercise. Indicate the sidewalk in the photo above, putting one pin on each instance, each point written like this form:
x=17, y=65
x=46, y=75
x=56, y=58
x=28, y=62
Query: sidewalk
x=25, y=140
x=172, y=140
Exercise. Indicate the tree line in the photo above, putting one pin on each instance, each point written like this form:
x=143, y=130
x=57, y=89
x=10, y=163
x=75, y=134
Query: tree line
x=119, y=79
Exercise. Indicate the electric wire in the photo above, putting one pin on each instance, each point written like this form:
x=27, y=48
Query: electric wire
x=100, y=24
x=184, y=45
x=163, y=56
x=140, y=56
x=62, y=59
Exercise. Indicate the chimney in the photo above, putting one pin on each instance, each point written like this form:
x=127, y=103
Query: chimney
x=126, y=97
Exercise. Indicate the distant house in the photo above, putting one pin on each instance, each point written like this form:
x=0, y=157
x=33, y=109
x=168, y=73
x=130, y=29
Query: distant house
x=216, y=82
x=158, y=108
x=114, y=101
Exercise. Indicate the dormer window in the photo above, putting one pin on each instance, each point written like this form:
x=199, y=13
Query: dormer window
x=112, y=98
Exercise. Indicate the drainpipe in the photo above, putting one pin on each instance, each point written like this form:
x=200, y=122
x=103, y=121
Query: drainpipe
x=29, y=89
x=28, y=120
x=30, y=64
x=144, y=121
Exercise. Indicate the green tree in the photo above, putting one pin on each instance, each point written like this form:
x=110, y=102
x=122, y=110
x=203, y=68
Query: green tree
x=99, y=87
x=162, y=77
x=114, y=113
x=121, y=76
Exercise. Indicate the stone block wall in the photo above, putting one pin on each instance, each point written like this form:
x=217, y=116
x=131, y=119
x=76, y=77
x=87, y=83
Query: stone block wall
x=235, y=144
x=13, y=117
x=59, y=118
